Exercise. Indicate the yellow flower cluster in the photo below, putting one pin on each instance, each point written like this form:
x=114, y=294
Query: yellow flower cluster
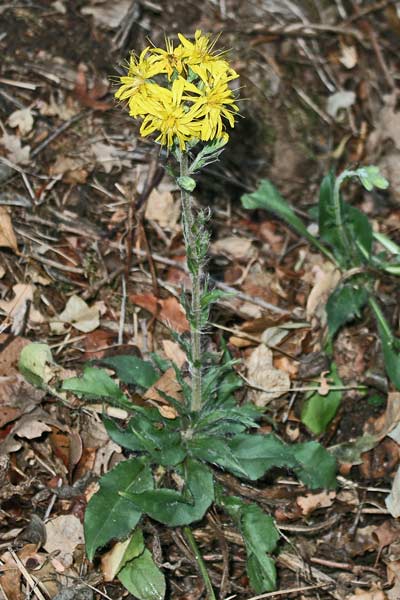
x=181, y=93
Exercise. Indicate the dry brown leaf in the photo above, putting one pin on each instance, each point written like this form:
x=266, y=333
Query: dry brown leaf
x=326, y=278
x=162, y=207
x=16, y=308
x=233, y=246
x=111, y=561
x=169, y=385
x=78, y=314
x=167, y=310
x=64, y=534
x=107, y=14
x=23, y=119
x=261, y=372
x=7, y=235
x=16, y=153
x=373, y=594
x=393, y=576
x=174, y=352
x=11, y=578
x=72, y=169
x=311, y=502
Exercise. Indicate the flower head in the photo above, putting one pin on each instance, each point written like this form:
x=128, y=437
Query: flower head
x=181, y=93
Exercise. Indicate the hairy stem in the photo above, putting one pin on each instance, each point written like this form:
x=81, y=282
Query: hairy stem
x=196, y=276
x=200, y=562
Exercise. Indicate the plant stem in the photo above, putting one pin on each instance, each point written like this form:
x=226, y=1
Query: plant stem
x=196, y=276
x=200, y=562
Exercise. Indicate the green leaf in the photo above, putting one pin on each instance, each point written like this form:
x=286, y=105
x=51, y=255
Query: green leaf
x=360, y=230
x=390, y=345
x=344, y=304
x=34, y=363
x=142, y=578
x=259, y=453
x=186, y=183
x=317, y=467
x=132, y=370
x=96, y=383
x=318, y=411
x=268, y=198
x=174, y=509
x=262, y=573
x=108, y=515
x=326, y=218
x=216, y=451
x=258, y=530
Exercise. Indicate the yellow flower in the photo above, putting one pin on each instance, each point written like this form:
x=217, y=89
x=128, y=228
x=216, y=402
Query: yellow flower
x=199, y=57
x=170, y=59
x=167, y=115
x=139, y=72
x=213, y=103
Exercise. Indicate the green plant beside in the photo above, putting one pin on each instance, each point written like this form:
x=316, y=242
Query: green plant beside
x=346, y=238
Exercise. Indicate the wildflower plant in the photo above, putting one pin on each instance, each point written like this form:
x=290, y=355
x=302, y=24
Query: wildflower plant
x=182, y=96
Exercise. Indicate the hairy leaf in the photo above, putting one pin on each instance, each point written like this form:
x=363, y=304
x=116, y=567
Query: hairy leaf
x=262, y=572
x=108, y=515
x=142, y=578
x=132, y=370
x=344, y=304
x=174, y=509
x=96, y=383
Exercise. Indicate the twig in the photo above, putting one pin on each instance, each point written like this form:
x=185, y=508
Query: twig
x=307, y=388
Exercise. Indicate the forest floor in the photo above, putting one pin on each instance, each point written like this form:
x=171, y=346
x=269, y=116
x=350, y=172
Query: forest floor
x=85, y=206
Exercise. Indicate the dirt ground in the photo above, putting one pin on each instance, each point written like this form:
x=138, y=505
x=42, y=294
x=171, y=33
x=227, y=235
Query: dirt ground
x=85, y=205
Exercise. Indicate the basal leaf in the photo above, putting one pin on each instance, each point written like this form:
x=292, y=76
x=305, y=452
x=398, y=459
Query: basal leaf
x=360, y=231
x=142, y=578
x=133, y=370
x=96, y=383
x=262, y=573
x=345, y=304
x=108, y=515
x=173, y=508
x=319, y=410
x=258, y=530
x=317, y=468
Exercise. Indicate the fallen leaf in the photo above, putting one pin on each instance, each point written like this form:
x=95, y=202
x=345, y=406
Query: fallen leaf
x=111, y=561
x=311, y=502
x=16, y=308
x=393, y=500
x=374, y=594
x=107, y=14
x=162, y=208
x=64, y=534
x=7, y=235
x=72, y=169
x=106, y=156
x=348, y=56
x=78, y=314
x=16, y=153
x=326, y=277
x=10, y=578
x=338, y=101
x=174, y=352
x=90, y=96
x=169, y=385
x=261, y=372
x=393, y=576
x=233, y=246
x=167, y=310
x=23, y=119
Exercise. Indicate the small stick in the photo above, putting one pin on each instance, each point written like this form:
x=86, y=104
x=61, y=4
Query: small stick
x=123, y=313
x=287, y=591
